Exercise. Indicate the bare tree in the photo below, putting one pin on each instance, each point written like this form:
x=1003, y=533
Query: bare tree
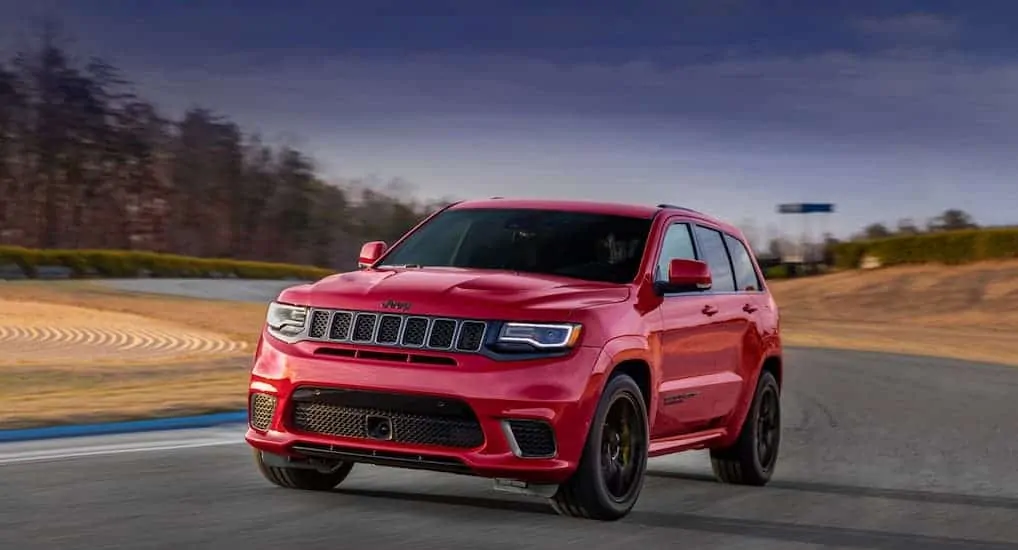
x=84, y=162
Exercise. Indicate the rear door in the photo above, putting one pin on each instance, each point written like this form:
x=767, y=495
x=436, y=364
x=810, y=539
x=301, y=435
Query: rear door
x=754, y=304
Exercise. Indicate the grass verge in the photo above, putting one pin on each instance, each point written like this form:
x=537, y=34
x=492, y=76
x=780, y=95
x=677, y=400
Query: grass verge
x=964, y=312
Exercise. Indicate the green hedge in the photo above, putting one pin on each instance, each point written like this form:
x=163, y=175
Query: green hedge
x=949, y=247
x=129, y=264
x=776, y=272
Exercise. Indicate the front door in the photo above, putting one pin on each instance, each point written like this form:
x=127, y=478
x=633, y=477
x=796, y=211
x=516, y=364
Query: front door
x=691, y=330
x=732, y=324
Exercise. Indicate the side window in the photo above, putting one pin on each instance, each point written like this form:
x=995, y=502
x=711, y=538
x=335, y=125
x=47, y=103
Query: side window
x=745, y=274
x=677, y=243
x=714, y=253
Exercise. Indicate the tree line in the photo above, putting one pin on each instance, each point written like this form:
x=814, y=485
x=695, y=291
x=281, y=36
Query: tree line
x=951, y=219
x=85, y=162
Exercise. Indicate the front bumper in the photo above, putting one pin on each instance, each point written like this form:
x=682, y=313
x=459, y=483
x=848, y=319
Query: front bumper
x=320, y=406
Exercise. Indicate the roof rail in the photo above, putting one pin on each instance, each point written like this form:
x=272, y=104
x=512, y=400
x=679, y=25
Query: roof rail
x=674, y=207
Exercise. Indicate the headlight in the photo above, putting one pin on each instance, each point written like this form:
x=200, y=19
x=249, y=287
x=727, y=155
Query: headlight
x=286, y=321
x=540, y=335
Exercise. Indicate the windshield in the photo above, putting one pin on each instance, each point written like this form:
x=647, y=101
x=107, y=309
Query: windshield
x=594, y=247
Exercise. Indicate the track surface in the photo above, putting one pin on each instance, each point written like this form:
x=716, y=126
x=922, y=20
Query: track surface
x=878, y=452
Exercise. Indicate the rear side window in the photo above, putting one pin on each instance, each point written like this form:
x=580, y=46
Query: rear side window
x=677, y=244
x=745, y=274
x=712, y=245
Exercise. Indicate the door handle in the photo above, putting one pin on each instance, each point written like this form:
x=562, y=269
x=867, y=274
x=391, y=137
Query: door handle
x=748, y=308
x=709, y=311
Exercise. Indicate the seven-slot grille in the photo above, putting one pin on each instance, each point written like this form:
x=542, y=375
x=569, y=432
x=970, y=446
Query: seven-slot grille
x=390, y=329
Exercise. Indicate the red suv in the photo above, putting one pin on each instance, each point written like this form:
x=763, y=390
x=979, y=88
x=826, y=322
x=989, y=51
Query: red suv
x=553, y=346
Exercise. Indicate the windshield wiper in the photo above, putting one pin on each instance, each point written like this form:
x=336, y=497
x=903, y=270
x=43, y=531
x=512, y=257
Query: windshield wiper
x=401, y=266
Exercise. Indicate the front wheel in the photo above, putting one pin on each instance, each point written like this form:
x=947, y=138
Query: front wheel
x=306, y=479
x=609, y=478
x=751, y=460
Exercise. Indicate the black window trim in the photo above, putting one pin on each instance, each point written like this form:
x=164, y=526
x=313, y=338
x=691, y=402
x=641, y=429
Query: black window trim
x=677, y=220
x=728, y=255
x=698, y=252
x=752, y=264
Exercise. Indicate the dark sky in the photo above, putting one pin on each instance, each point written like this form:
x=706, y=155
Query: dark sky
x=888, y=108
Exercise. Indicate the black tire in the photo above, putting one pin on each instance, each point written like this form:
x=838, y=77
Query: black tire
x=745, y=462
x=303, y=478
x=586, y=494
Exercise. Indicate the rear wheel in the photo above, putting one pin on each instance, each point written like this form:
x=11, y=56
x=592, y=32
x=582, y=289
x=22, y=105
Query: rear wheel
x=751, y=460
x=609, y=478
x=305, y=479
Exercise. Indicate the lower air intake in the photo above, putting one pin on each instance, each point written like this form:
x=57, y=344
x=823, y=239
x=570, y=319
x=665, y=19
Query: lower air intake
x=413, y=420
x=260, y=411
x=533, y=438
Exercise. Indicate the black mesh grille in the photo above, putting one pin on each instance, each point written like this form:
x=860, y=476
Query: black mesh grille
x=341, y=323
x=442, y=331
x=471, y=335
x=319, y=324
x=388, y=329
x=363, y=327
x=534, y=438
x=392, y=329
x=416, y=330
x=261, y=409
x=415, y=420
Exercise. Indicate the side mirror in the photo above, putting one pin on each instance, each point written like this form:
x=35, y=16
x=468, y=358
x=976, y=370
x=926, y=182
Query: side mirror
x=370, y=252
x=687, y=276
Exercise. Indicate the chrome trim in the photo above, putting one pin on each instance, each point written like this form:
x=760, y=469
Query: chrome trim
x=353, y=328
x=424, y=340
x=514, y=446
x=484, y=334
x=455, y=329
x=399, y=328
x=511, y=439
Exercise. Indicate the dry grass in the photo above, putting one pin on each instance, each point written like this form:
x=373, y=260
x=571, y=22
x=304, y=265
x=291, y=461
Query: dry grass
x=127, y=386
x=966, y=312
x=72, y=395
x=238, y=320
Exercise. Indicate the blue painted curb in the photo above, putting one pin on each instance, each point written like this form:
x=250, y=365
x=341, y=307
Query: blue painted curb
x=109, y=428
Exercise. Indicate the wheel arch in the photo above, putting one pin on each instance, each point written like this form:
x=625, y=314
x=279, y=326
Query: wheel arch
x=774, y=365
x=632, y=356
x=639, y=371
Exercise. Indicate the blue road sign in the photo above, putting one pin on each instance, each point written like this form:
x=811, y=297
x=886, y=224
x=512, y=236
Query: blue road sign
x=806, y=208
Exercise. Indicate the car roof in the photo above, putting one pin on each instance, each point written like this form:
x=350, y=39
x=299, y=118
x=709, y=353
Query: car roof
x=594, y=207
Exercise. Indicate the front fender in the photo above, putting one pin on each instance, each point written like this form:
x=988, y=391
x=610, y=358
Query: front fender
x=622, y=349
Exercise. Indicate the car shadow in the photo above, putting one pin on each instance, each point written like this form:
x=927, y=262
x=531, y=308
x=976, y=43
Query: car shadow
x=487, y=503
x=841, y=537
x=929, y=497
x=844, y=537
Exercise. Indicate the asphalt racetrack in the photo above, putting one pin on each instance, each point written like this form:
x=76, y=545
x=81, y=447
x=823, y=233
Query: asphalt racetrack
x=878, y=452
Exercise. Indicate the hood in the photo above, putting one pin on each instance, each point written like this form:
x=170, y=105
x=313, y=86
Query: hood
x=458, y=293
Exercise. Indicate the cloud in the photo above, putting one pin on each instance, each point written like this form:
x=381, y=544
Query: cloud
x=925, y=27
x=899, y=98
